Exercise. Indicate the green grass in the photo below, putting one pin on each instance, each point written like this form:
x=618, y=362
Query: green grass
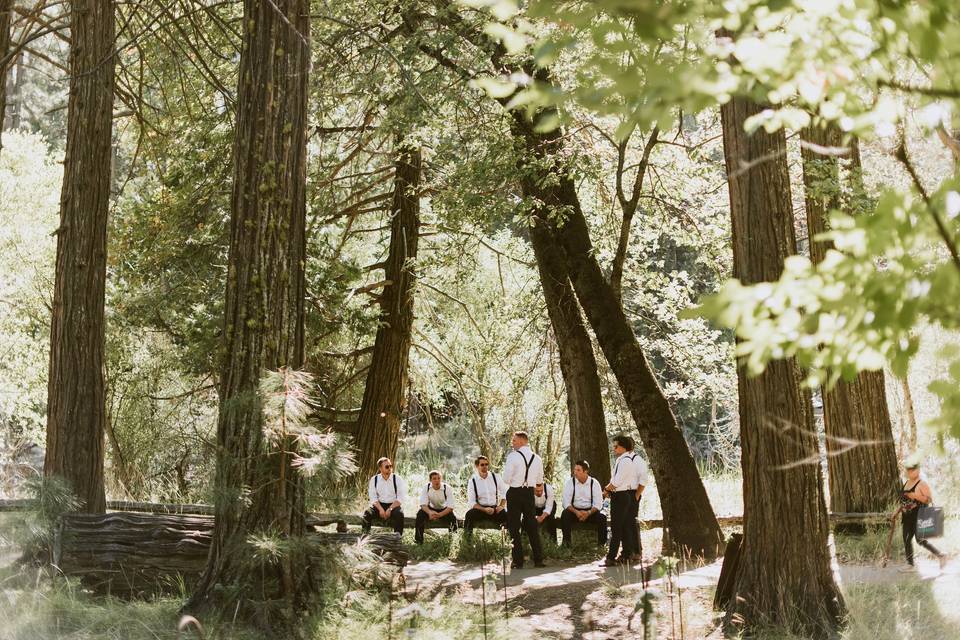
x=62, y=611
x=868, y=548
x=488, y=544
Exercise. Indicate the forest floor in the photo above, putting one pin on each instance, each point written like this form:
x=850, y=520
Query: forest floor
x=568, y=600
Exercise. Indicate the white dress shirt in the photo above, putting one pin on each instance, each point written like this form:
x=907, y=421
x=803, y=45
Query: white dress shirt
x=624, y=473
x=583, y=495
x=545, y=501
x=438, y=499
x=640, y=469
x=386, y=490
x=487, y=492
x=515, y=469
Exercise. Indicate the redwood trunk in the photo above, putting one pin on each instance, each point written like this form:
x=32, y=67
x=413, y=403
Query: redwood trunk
x=6, y=8
x=578, y=365
x=784, y=577
x=384, y=396
x=690, y=521
x=861, y=453
x=258, y=492
x=76, y=397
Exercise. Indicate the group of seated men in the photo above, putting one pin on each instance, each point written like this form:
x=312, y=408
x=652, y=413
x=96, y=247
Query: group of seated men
x=582, y=500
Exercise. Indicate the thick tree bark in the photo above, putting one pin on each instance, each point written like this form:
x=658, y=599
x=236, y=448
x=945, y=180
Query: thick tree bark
x=910, y=415
x=6, y=9
x=578, y=365
x=861, y=453
x=76, y=398
x=690, y=521
x=258, y=490
x=384, y=396
x=784, y=577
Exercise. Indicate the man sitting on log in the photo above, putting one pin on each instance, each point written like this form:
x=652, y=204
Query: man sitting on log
x=436, y=503
x=545, y=506
x=582, y=501
x=386, y=491
x=485, y=495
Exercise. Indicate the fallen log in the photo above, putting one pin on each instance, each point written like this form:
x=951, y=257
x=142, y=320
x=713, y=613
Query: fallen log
x=342, y=520
x=136, y=554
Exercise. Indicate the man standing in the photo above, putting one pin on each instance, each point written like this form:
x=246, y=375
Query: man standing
x=436, y=503
x=545, y=507
x=485, y=495
x=622, y=489
x=641, y=472
x=522, y=472
x=582, y=500
x=386, y=491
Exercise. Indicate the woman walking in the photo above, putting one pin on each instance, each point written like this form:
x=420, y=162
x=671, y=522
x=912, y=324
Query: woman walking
x=914, y=494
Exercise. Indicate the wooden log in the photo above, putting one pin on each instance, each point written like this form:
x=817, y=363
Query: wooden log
x=133, y=554
x=342, y=520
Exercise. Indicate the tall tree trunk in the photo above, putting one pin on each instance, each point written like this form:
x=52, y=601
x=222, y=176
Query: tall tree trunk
x=578, y=365
x=76, y=397
x=784, y=574
x=861, y=453
x=257, y=489
x=690, y=521
x=15, y=113
x=384, y=396
x=6, y=9
x=910, y=420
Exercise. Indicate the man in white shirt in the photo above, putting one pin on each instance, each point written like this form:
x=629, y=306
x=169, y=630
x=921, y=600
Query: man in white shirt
x=522, y=472
x=582, y=501
x=386, y=491
x=622, y=489
x=640, y=478
x=545, y=507
x=485, y=495
x=436, y=504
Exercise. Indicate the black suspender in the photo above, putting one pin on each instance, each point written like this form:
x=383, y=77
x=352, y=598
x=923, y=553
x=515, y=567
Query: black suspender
x=444, y=487
x=476, y=494
x=376, y=481
x=526, y=471
x=589, y=487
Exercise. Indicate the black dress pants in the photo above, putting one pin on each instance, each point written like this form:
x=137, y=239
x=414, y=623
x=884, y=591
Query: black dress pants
x=620, y=509
x=632, y=533
x=521, y=517
x=567, y=519
x=423, y=518
x=474, y=515
x=371, y=515
x=549, y=525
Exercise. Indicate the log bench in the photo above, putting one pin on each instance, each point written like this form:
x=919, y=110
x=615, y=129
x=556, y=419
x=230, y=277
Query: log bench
x=132, y=554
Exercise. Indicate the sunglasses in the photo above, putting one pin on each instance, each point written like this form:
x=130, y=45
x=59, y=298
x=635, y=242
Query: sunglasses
x=388, y=466
x=484, y=464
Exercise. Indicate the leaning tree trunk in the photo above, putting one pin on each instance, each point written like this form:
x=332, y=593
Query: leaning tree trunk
x=6, y=8
x=258, y=492
x=76, y=397
x=784, y=577
x=861, y=453
x=578, y=365
x=689, y=518
x=384, y=396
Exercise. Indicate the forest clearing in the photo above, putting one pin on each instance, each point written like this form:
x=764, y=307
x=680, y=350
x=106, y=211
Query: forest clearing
x=479, y=319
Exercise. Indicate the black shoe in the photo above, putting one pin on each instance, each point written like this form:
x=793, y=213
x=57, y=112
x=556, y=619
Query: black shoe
x=516, y=565
x=609, y=563
x=540, y=565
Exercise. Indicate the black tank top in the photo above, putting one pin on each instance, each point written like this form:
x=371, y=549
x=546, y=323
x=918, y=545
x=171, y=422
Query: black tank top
x=909, y=503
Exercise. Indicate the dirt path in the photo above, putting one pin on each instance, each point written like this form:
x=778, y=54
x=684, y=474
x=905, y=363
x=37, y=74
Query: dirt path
x=588, y=601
